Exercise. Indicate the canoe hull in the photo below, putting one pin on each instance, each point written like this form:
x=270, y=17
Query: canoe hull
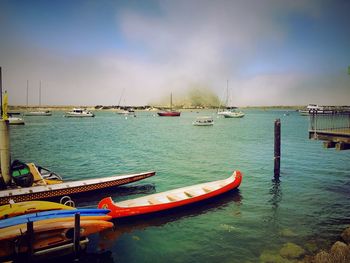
x=53, y=214
x=68, y=188
x=118, y=211
x=16, y=209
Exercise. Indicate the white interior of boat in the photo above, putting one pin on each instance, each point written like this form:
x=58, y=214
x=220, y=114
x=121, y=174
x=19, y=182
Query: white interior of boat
x=177, y=194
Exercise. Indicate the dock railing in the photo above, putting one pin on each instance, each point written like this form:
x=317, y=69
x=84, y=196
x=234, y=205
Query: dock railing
x=335, y=121
x=332, y=127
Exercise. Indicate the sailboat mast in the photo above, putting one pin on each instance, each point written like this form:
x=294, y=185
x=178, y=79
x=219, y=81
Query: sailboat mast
x=27, y=92
x=226, y=102
x=40, y=94
x=121, y=96
x=171, y=101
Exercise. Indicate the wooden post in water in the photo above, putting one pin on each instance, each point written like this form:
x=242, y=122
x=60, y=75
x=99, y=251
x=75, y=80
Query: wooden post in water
x=4, y=143
x=30, y=239
x=76, y=238
x=277, y=152
x=0, y=92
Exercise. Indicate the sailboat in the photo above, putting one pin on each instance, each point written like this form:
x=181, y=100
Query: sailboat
x=230, y=112
x=125, y=110
x=170, y=113
x=37, y=113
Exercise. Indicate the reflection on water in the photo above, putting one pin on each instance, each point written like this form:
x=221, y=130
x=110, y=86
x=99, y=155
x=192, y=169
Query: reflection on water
x=276, y=193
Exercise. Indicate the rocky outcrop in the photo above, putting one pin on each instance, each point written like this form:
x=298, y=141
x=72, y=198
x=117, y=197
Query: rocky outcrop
x=338, y=253
x=293, y=253
x=346, y=235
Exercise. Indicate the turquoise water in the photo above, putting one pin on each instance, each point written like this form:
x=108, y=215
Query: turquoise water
x=309, y=204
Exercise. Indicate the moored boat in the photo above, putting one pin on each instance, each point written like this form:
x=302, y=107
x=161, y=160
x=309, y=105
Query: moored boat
x=14, y=118
x=38, y=113
x=233, y=114
x=203, y=121
x=316, y=109
x=171, y=112
x=126, y=111
x=31, y=185
x=171, y=199
x=77, y=112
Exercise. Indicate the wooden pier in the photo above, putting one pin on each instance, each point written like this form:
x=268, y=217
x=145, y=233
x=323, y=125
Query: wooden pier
x=332, y=128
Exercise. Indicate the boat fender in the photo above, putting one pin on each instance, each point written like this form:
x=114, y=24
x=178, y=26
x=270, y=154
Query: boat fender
x=21, y=174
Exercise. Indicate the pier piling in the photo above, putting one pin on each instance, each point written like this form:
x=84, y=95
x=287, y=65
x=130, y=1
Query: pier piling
x=4, y=143
x=30, y=239
x=76, y=238
x=277, y=150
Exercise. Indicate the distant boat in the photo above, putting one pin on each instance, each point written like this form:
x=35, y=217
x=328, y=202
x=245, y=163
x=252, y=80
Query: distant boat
x=169, y=113
x=127, y=111
x=37, y=113
x=77, y=112
x=233, y=114
x=203, y=121
x=14, y=118
x=313, y=108
x=230, y=112
x=171, y=199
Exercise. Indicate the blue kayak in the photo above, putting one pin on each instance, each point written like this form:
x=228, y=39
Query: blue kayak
x=51, y=214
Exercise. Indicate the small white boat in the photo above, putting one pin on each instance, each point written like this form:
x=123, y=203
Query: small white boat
x=38, y=113
x=203, y=121
x=129, y=111
x=222, y=113
x=15, y=118
x=232, y=114
x=77, y=112
x=15, y=121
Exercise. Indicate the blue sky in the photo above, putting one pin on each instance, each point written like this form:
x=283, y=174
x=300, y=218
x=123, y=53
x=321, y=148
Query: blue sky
x=89, y=52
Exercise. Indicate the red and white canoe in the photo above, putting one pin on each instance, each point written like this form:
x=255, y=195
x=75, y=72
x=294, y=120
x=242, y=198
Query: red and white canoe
x=170, y=199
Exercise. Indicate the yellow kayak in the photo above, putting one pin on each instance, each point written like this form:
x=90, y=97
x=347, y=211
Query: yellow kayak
x=21, y=208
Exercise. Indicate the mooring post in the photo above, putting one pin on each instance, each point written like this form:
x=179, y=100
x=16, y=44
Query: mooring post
x=277, y=156
x=76, y=238
x=4, y=142
x=30, y=239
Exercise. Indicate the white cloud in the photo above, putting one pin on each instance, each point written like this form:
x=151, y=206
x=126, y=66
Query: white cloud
x=185, y=42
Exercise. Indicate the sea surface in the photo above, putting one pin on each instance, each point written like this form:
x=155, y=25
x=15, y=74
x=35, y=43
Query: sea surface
x=308, y=205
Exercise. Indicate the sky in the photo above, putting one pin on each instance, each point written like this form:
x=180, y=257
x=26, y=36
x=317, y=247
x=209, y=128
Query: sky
x=103, y=52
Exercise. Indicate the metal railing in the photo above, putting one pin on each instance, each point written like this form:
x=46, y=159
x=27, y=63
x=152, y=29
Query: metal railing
x=334, y=121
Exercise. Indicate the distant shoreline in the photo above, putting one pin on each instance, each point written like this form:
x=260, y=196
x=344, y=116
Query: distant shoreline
x=113, y=108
